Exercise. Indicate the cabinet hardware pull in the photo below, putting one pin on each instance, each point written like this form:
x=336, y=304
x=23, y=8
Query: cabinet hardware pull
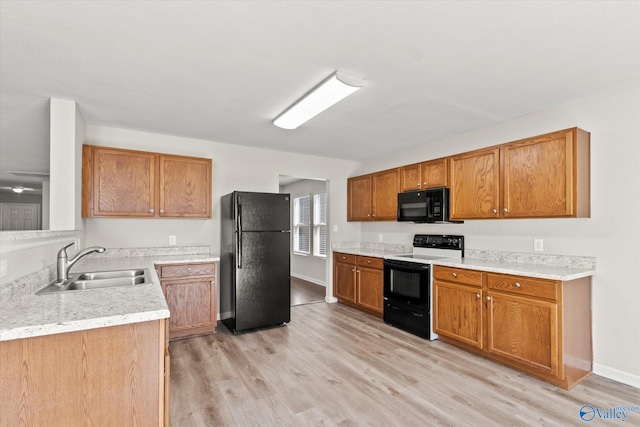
x=495, y=211
x=477, y=296
x=161, y=210
x=150, y=210
x=353, y=271
x=505, y=210
x=517, y=285
x=488, y=298
x=189, y=269
x=344, y=257
x=454, y=274
x=368, y=262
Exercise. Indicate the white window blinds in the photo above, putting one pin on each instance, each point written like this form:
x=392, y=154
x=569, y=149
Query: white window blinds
x=302, y=224
x=320, y=224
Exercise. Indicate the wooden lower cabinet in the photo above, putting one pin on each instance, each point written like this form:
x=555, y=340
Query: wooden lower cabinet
x=518, y=321
x=110, y=376
x=358, y=282
x=189, y=289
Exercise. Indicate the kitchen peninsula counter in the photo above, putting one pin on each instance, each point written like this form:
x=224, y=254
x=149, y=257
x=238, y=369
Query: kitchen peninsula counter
x=29, y=315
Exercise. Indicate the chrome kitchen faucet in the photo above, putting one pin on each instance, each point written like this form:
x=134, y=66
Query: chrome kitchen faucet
x=64, y=264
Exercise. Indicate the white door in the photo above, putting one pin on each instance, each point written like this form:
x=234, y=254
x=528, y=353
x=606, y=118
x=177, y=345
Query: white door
x=20, y=216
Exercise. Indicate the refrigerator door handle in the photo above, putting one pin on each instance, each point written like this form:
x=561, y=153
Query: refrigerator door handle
x=239, y=233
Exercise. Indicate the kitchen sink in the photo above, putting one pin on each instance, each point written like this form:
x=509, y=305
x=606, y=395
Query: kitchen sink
x=98, y=280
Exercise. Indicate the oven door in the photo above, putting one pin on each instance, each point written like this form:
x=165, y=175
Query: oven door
x=407, y=282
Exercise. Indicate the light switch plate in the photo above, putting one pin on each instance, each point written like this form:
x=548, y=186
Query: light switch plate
x=172, y=240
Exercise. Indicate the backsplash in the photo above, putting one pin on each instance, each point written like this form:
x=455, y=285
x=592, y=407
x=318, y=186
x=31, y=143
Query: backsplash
x=529, y=258
x=373, y=246
x=163, y=250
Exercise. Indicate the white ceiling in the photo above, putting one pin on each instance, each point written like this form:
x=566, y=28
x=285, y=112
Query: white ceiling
x=222, y=70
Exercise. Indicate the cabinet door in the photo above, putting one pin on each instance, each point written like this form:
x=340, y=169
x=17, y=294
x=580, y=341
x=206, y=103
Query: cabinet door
x=192, y=306
x=458, y=312
x=370, y=288
x=538, y=177
x=410, y=178
x=386, y=185
x=359, y=198
x=344, y=282
x=475, y=185
x=185, y=187
x=123, y=183
x=435, y=173
x=524, y=330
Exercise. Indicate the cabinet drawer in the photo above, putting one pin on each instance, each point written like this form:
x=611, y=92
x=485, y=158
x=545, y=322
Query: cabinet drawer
x=523, y=285
x=458, y=275
x=373, y=262
x=187, y=270
x=344, y=258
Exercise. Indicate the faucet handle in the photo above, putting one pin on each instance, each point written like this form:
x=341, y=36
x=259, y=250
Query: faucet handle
x=62, y=253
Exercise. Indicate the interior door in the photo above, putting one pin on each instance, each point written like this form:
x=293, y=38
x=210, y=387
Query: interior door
x=20, y=216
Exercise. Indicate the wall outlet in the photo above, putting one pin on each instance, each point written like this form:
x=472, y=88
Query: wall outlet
x=3, y=268
x=538, y=245
x=335, y=228
x=172, y=240
x=379, y=237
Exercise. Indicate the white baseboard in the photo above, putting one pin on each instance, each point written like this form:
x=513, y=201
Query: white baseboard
x=309, y=279
x=331, y=299
x=616, y=375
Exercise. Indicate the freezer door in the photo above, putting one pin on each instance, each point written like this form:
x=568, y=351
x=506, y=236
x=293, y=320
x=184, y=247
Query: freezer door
x=263, y=283
x=263, y=211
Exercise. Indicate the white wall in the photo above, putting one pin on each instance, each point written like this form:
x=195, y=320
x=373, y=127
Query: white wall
x=234, y=168
x=612, y=234
x=307, y=267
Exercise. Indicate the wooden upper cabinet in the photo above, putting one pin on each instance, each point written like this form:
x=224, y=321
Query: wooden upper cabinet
x=547, y=176
x=386, y=185
x=185, y=187
x=434, y=173
x=122, y=183
x=359, y=198
x=410, y=177
x=475, y=185
x=136, y=184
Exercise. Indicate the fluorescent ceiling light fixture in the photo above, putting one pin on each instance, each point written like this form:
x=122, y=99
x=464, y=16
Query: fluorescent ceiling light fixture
x=337, y=87
x=17, y=189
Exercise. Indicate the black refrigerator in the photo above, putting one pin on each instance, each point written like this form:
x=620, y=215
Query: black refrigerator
x=254, y=260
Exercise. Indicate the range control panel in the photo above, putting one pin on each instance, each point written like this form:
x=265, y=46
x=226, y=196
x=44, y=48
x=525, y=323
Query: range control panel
x=440, y=241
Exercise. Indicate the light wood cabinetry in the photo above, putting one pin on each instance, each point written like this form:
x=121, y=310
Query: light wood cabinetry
x=106, y=376
x=358, y=281
x=545, y=176
x=434, y=173
x=518, y=321
x=136, y=184
x=373, y=197
x=190, y=293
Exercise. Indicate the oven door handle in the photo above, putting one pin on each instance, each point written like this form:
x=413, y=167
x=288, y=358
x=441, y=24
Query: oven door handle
x=406, y=265
x=406, y=311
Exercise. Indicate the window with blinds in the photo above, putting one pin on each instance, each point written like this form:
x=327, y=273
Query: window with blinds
x=320, y=224
x=302, y=224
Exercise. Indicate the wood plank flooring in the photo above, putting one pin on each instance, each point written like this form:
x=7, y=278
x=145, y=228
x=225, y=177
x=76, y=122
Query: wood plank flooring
x=333, y=365
x=304, y=292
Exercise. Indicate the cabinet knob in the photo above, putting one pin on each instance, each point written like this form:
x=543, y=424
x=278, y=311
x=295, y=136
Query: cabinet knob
x=161, y=210
x=495, y=211
x=151, y=210
x=344, y=257
x=477, y=296
x=368, y=215
x=353, y=271
x=454, y=274
x=488, y=298
x=425, y=183
x=418, y=184
x=189, y=269
x=368, y=262
x=517, y=285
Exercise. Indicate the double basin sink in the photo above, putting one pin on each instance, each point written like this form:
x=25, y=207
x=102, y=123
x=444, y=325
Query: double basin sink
x=98, y=280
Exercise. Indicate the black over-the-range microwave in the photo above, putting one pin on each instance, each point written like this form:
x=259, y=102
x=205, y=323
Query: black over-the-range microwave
x=430, y=205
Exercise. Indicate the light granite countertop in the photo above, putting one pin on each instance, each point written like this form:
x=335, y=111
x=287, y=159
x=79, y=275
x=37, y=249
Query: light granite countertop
x=541, y=271
x=380, y=253
x=36, y=315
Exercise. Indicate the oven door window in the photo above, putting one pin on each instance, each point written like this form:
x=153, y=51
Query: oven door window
x=410, y=285
x=405, y=283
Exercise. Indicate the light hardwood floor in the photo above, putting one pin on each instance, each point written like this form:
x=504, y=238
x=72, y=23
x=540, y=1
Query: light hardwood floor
x=333, y=365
